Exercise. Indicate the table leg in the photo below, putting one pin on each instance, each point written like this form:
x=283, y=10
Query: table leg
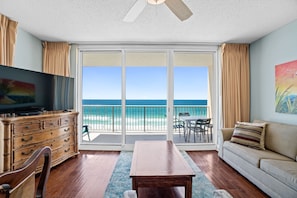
x=188, y=131
x=134, y=185
x=188, y=189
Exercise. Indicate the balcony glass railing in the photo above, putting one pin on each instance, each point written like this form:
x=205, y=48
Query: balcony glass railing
x=108, y=118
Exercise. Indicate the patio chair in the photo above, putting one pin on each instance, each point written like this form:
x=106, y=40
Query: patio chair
x=199, y=127
x=85, y=131
x=21, y=182
x=180, y=124
x=208, y=128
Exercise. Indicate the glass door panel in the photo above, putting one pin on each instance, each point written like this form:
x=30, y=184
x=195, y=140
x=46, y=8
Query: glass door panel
x=146, y=89
x=190, y=96
x=101, y=93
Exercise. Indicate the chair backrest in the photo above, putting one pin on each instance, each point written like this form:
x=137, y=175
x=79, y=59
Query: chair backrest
x=203, y=121
x=85, y=129
x=184, y=114
x=21, y=182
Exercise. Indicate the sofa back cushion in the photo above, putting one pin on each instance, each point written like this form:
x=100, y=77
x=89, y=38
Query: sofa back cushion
x=281, y=138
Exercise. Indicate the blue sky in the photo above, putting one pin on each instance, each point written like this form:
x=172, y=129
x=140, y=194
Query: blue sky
x=144, y=82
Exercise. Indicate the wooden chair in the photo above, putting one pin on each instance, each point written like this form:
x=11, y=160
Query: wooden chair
x=20, y=183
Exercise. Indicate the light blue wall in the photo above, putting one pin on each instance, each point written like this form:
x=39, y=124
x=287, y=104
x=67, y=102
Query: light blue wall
x=278, y=47
x=28, y=51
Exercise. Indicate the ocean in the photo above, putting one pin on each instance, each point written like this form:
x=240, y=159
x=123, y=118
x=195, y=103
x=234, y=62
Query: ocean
x=141, y=115
x=142, y=102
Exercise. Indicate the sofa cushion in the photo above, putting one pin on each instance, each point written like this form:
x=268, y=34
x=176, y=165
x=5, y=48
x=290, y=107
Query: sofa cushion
x=249, y=134
x=253, y=156
x=284, y=171
x=281, y=138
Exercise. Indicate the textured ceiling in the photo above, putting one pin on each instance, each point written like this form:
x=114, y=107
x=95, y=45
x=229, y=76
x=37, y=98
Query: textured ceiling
x=97, y=21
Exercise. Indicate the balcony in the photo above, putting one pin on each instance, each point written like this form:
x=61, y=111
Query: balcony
x=142, y=122
x=139, y=119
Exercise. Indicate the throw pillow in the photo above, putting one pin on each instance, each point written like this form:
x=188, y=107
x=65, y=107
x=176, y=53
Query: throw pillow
x=249, y=134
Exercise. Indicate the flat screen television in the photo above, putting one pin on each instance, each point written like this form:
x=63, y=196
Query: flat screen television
x=26, y=92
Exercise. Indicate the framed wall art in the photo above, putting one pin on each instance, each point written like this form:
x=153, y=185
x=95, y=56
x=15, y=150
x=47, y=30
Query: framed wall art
x=286, y=87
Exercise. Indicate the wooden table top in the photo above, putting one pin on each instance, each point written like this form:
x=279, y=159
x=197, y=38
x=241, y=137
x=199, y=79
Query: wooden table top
x=158, y=158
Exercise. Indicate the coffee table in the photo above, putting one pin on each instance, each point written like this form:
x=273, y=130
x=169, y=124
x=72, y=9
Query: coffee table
x=160, y=164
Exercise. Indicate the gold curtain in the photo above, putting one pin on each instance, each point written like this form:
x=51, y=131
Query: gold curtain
x=8, y=33
x=56, y=58
x=235, y=84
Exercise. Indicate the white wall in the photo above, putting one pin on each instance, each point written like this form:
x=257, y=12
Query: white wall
x=278, y=47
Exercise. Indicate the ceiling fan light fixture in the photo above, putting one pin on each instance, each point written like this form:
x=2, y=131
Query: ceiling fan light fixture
x=155, y=2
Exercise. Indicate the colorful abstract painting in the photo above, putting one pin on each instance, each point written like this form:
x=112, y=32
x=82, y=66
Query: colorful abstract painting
x=16, y=92
x=286, y=87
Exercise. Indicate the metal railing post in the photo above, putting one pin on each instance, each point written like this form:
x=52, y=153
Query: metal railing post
x=144, y=118
x=112, y=118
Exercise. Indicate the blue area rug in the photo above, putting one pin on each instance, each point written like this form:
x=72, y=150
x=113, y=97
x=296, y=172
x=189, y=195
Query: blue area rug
x=120, y=180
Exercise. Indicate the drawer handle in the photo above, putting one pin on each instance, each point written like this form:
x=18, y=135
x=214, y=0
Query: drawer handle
x=66, y=140
x=66, y=129
x=27, y=127
x=28, y=153
x=66, y=150
x=66, y=120
x=27, y=140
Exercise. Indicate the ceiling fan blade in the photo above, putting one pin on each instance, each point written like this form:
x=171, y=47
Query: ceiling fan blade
x=135, y=11
x=179, y=8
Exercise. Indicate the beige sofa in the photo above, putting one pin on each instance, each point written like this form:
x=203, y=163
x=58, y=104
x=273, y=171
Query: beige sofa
x=273, y=170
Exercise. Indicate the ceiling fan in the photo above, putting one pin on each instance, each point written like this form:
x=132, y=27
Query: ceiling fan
x=178, y=7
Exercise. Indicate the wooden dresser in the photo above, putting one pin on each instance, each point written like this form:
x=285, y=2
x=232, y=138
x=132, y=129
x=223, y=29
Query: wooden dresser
x=23, y=135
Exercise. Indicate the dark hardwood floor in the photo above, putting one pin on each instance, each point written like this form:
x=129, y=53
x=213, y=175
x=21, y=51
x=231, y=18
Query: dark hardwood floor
x=223, y=176
x=87, y=175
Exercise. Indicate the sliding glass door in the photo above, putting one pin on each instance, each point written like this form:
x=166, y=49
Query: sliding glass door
x=130, y=95
x=146, y=85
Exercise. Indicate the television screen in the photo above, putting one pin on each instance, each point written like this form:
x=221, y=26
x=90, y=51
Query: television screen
x=24, y=90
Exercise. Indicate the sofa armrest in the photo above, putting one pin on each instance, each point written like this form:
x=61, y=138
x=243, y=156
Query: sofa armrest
x=225, y=134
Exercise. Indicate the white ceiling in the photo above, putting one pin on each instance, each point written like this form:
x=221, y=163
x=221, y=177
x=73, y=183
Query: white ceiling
x=97, y=21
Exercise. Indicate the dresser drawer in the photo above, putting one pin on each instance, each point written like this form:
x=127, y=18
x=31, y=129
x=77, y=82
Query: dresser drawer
x=27, y=140
x=67, y=120
x=64, y=130
x=51, y=123
x=20, y=163
x=62, y=148
x=22, y=154
x=61, y=142
x=26, y=127
x=63, y=153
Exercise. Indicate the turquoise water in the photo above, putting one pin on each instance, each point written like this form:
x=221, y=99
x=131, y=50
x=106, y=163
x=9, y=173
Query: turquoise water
x=143, y=102
x=106, y=114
